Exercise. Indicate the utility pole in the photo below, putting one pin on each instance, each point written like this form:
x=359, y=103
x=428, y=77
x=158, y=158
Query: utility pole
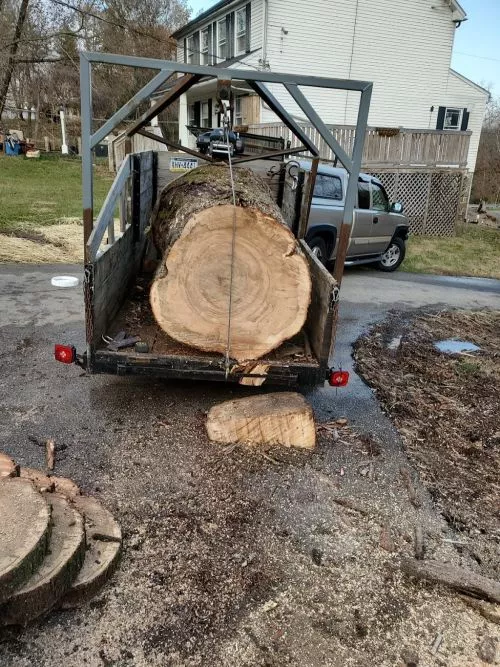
x=5, y=83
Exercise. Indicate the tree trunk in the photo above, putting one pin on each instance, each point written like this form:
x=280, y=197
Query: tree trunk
x=212, y=250
x=4, y=87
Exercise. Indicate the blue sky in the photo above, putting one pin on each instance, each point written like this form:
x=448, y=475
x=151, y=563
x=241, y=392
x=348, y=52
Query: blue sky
x=476, y=54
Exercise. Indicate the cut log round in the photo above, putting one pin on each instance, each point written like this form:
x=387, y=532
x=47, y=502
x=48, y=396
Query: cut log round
x=24, y=533
x=273, y=419
x=41, y=481
x=270, y=287
x=8, y=468
x=104, y=538
x=65, y=487
x=58, y=570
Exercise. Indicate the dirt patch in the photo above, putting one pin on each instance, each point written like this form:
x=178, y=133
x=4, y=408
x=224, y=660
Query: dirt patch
x=447, y=410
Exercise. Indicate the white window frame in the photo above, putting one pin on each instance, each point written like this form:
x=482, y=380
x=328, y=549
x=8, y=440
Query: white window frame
x=220, y=57
x=460, y=118
x=242, y=34
x=205, y=50
x=204, y=115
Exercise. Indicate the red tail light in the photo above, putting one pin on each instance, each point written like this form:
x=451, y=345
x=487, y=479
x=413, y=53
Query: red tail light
x=338, y=378
x=66, y=354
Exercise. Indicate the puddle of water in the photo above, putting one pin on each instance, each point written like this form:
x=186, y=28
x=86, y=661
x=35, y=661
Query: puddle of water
x=395, y=343
x=451, y=346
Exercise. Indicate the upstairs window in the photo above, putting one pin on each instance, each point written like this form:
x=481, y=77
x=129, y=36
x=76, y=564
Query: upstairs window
x=193, y=49
x=205, y=55
x=241, y=32
x=222, y=39
x=452, y=118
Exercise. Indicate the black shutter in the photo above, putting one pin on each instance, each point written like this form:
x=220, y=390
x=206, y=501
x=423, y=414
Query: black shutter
x=249, y=23
x=197, y=114
x=210, y=113
x=465, y=120
x=215, y=45
x=209, y=42
x=440, y=118
x=185, y=50
x=230, y=35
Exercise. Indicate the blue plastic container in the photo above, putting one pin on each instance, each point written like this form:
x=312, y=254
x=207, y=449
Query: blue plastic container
x=12, y=149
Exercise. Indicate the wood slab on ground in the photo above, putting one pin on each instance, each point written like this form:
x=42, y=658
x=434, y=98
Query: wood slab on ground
x=65, y=487
x=24, y=533
x=104, y=538
x=458, y=578
x=58, y=570
x=8, y=468
x=270, y=419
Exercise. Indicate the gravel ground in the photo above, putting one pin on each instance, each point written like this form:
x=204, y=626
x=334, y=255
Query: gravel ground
x=232, y=557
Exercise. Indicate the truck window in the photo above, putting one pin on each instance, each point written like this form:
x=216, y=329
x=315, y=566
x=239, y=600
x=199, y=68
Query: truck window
x=363, y=195
x=380, y=201
x=328, y=187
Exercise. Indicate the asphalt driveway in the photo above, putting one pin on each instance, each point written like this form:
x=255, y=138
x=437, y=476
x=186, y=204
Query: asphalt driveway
x=139, y=445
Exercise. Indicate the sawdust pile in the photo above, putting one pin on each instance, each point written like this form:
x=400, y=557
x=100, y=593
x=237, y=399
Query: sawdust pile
x=447, y=410
x=46, y=244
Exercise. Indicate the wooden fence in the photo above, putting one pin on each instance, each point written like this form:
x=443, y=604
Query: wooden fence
x=385, y=147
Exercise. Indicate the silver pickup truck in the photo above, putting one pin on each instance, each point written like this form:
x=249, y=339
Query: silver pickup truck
x=380, y=229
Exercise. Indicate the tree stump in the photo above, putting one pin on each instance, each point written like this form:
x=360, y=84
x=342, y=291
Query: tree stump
x=212, y=250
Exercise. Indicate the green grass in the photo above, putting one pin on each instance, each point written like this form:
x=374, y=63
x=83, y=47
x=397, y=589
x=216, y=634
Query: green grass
x=474, y=251
x=44, y=191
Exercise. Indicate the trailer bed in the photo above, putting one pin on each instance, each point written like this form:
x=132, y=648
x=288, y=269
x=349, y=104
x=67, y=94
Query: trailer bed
x=291, y=363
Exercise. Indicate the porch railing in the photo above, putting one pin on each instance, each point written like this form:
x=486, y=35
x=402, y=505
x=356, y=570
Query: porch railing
x=386, y=147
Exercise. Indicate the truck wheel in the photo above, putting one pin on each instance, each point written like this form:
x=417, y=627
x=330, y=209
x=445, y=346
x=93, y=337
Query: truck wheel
x=318, y=248
x=393, y=256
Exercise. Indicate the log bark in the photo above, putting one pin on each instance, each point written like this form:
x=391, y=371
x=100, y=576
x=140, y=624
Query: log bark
x=457, y=578
x=192, y=227
x=271, y=419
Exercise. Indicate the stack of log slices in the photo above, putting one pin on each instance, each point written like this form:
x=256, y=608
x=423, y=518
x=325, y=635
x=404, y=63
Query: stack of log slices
x=221, y=263
x=57, y=546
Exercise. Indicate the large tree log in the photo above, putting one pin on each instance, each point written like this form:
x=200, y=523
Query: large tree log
x=193, y=229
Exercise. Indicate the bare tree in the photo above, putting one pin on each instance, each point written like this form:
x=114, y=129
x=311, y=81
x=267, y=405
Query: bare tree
x=14, y=47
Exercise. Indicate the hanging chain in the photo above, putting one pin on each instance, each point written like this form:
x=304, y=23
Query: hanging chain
x=227, y=125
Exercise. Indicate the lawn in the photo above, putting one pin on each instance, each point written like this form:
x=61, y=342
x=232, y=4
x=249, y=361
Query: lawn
x=46, y=191
x=474, y=251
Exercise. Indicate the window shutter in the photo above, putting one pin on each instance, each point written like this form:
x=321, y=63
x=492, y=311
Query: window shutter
x=230, y=35
x=185, y=50
x=465, y=120
x=215, y=45
x=210, y=112
x=209, y=43
x=440, y=118
x=249, y=23
x=197, y=114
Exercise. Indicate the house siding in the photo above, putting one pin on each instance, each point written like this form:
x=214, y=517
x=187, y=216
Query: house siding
x=404, y=48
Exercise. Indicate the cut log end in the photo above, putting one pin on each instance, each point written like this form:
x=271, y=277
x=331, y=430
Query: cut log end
x=221, y=260
x=274, y=419
x=8, y=468
x=270, y=287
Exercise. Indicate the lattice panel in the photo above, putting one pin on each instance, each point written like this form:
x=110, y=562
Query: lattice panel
x=444, y=200
x=389, y=180
x=413, y=190
x=433, y=201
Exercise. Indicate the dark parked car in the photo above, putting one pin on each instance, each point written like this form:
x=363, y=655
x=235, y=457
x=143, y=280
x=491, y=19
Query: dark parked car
x=213, y=141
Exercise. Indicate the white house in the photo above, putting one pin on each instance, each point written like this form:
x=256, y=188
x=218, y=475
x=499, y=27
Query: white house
x=403, y=46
